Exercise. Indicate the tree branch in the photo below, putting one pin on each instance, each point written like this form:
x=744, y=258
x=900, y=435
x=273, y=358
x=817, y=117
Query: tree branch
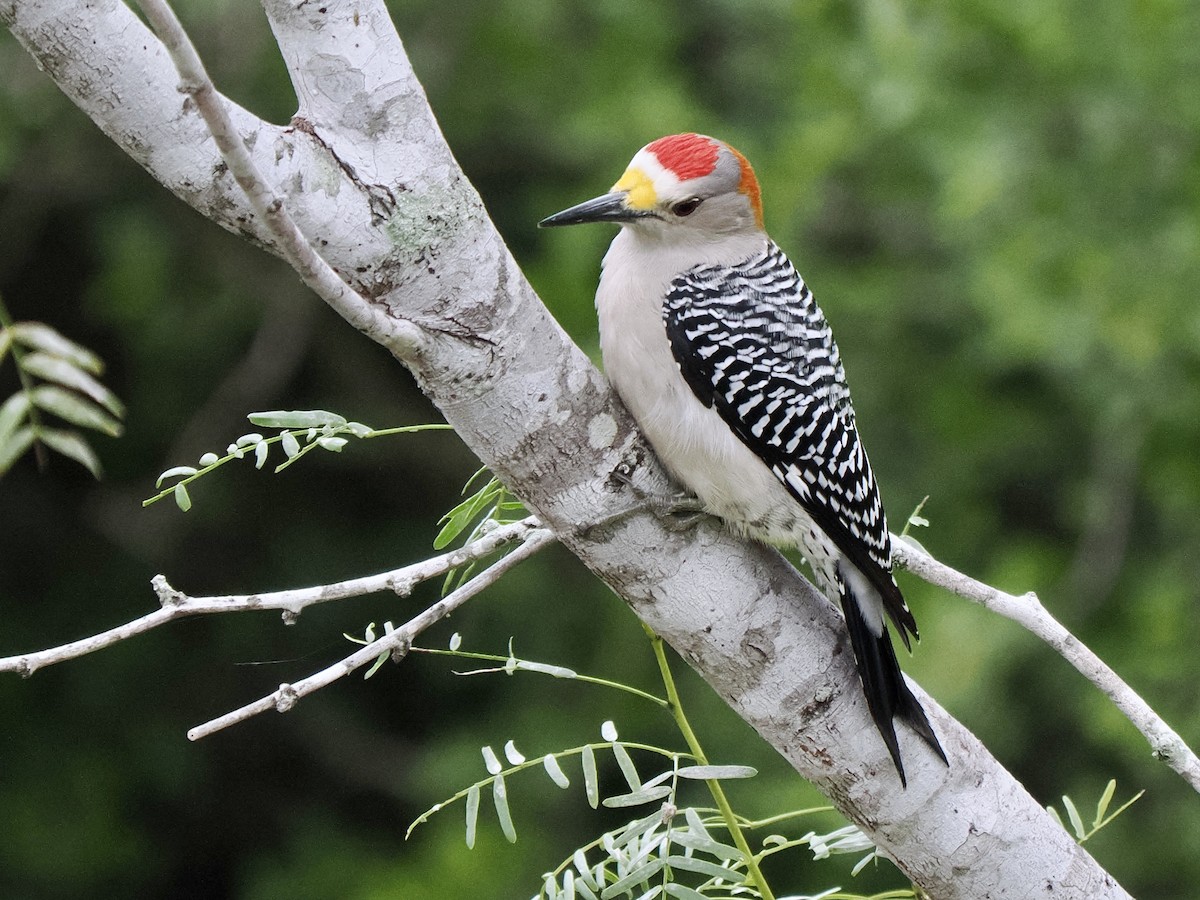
x=291, y=243
x=1028, y=611
x=176, y=605
x=395, y=642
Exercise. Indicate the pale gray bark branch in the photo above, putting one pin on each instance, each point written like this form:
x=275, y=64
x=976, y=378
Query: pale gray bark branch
x=175, y=605
x=395, y=642
x=1028, y=611
x=368, y=179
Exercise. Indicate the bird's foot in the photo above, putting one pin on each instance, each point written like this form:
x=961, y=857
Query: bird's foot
x=678, y=511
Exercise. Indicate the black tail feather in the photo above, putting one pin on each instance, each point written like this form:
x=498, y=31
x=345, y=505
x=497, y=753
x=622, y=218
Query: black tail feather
x=888, y=696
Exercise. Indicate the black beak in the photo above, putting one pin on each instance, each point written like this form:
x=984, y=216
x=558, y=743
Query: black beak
x=608, y=208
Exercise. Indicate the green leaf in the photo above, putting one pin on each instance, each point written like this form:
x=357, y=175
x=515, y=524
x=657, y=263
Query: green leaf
x=639, y=875
x=460, y=517
x=1073, y=815
x=185, y=471
x=472, y=815
x=500, y=799
x=554, y=770
x=291, y=446
x=683, y=892
x=1120, y=809
x=703, y=866
x=628, y=769
x=379, y=661
x=12, y=413
x=696, y=824
x=1105, y=800
x=584, y=870
x=705, y=843
x=297, y=418
x=332, y=444
x=39, y=336
x=64, y=373
x=72, y=446
x=637, y=798
x=182, y=498
x=75, y=409
x=491, y=761
x=703, y=773
x=591, y=785
x=525, y=665
x=13, y=447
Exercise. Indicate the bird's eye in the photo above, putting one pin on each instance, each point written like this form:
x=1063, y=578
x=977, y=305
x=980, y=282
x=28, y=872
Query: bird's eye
x=686, y=207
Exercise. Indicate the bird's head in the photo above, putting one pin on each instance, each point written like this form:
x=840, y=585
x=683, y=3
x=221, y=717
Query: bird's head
x=682, y=187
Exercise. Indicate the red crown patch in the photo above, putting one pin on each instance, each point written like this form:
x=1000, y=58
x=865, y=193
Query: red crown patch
x=686, y=155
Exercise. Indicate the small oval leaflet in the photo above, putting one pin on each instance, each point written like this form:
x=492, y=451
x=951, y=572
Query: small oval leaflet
x=637, y=798
x=491, y=761
x=704, y=773
x=500, y=799
x=628, y=769
x=472, y=814
x=296, y=418
x=512, y=754
x=703, y=866
x=554, y=770
x=546, y=669
x=608, y=730
x=185, y=471
x=590, y=784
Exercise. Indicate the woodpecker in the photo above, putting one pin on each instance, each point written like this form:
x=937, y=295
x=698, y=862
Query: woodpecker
x=713, y=340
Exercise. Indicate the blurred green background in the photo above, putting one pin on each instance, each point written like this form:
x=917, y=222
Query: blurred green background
x=996, y=204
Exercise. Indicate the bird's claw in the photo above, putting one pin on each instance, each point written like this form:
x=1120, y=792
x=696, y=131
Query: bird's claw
x=677, y=511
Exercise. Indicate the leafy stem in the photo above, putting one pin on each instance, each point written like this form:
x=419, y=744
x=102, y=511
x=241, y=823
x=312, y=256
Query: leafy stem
x=58, y=379
x=35, y=419
x=754, y=873
x=511, y=664
x=316, y=428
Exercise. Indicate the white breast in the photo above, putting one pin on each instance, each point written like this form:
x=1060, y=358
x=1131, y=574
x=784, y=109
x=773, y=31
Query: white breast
x=691, y=439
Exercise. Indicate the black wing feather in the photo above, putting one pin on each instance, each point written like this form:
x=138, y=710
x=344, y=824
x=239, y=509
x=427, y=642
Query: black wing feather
x=751, y=341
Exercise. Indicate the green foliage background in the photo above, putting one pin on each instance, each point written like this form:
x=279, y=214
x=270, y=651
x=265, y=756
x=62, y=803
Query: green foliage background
x=995, y=202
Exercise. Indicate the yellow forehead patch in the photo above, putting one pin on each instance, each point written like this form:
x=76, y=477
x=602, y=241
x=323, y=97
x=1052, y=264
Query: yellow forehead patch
x=639, y=189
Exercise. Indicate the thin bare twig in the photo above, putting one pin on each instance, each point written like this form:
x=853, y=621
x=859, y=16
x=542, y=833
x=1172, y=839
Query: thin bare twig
x=402, y=337
x=176, y=605
x=1028, y=611
x=396, y=642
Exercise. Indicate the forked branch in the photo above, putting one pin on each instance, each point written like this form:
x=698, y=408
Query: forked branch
x=396, y=642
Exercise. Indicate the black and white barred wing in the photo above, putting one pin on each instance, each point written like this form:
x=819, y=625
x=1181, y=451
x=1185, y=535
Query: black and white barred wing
x=751, y=341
